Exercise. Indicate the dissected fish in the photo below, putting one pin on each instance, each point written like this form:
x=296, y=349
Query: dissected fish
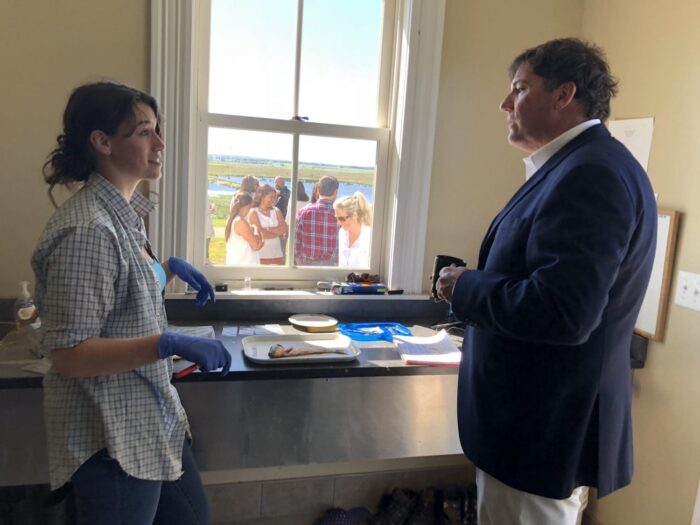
x=277, y=350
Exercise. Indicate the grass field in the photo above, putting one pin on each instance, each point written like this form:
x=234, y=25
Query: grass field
x=307, y=173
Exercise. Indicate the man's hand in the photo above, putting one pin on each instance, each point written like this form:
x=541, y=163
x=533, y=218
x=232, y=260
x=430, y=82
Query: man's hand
x=447, y=280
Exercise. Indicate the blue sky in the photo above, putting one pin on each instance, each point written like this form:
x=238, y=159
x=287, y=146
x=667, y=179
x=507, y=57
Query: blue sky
x=252, y=72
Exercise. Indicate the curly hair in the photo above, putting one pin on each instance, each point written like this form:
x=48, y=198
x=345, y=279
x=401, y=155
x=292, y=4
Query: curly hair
x=573, y=60
x=103, y=106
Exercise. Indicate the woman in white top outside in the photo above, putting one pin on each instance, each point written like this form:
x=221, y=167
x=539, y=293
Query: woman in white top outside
x=354, y=217
x=270, y=223
x=242, y=241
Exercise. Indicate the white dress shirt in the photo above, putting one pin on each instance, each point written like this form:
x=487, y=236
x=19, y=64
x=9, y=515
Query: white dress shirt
x=537, y=159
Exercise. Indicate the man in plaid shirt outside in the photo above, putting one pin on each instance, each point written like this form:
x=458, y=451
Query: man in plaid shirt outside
x=316, y=240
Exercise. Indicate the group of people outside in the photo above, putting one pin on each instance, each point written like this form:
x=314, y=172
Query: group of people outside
x=330, y=231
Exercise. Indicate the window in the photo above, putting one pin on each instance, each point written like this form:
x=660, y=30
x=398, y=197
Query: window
x=295, y=94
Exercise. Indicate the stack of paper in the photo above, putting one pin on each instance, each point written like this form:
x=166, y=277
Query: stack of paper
x=434, y=350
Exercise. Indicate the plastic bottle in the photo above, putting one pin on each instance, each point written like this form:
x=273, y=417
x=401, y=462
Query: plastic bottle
x=25, y=309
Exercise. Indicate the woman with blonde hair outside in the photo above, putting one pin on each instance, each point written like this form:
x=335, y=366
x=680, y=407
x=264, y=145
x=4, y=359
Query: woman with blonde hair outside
x=269, y=221
x=242, y=240
x=354, y=217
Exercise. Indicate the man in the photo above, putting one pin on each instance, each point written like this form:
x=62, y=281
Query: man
x=283, y=192
x=316, y=240
x=545, y=383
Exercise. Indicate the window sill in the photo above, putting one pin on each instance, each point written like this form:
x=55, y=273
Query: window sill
x=304, y=295
x=278, y=305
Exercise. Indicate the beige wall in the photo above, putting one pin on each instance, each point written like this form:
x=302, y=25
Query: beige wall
x=48, y=47
x=654, y=48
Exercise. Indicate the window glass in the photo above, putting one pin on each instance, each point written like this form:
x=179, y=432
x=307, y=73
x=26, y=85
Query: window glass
x=339, y=176
x=340, y=59
x=252, y=54
x=248, y=161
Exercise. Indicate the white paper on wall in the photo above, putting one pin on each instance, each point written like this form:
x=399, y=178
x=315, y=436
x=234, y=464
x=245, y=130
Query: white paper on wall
x=636, y=135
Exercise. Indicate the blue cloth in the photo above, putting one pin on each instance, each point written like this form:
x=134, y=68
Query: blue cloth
x=160, y=273
x=545, y=384
x=373, y=331
x=106, y=495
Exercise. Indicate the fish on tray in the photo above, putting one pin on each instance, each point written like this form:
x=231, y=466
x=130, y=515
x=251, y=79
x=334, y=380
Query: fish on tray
x=277, y=350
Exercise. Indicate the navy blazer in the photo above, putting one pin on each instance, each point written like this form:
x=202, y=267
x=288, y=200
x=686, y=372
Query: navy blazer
x=545, y=383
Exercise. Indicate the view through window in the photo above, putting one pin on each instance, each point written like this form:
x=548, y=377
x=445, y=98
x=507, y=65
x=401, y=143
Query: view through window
x=292, y=142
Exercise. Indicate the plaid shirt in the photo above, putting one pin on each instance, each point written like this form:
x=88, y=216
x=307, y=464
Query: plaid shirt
x=316, y=240
x=93, y=281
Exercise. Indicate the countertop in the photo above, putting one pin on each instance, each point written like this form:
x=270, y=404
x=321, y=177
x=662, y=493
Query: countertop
x=376, y=359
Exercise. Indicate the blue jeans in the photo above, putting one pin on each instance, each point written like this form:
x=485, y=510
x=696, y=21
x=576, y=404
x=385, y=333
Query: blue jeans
x=106, y=495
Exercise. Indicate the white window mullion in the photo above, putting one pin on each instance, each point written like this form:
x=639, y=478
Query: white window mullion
x=297, y=62
x=172, y=79
x=419, y=46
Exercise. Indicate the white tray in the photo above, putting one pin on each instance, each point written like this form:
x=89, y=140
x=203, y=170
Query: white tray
x=256, y=348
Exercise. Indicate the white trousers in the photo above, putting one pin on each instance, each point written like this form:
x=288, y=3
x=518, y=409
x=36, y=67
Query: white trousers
x=499, y=504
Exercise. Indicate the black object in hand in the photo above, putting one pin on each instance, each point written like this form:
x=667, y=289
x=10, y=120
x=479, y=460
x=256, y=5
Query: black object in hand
x=441, y=261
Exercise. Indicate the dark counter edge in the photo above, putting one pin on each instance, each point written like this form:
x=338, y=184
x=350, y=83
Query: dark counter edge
x=354, y=309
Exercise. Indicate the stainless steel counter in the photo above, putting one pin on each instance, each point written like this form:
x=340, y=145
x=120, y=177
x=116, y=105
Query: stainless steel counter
x=277, y=415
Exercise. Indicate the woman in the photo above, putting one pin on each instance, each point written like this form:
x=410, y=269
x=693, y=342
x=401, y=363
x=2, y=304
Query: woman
x=115, y=426
x=249, y=185
x=354, y=217
x=242, y=242
x=270, y=222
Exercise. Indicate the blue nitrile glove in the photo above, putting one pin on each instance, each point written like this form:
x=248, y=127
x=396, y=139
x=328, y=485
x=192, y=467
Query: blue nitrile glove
x=209, y=354
x=194, y=278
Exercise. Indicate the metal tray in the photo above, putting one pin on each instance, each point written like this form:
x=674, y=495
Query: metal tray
x=256, y=348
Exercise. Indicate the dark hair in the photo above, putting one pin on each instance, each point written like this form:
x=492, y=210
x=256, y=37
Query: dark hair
x=301, y=192
x=314, y=193
x=261, y=192
x=573, y=60
x=240, y=200
x=327, y=186
x=103, y=106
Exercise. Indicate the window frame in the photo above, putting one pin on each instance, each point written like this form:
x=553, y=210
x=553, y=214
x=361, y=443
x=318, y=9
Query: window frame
x=410, y=106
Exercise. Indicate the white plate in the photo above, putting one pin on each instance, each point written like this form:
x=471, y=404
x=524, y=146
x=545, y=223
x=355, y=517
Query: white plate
x=257, y=347
x=313, y=322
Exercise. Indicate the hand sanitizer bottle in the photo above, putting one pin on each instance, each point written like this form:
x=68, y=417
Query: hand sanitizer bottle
x=25, y=309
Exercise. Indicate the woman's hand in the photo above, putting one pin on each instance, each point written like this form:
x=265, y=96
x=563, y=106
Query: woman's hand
x=194, y=278
x=209, y=354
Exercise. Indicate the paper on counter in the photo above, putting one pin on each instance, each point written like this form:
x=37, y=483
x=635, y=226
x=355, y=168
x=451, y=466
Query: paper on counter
x=435, y=350
x=197, y=331
x=229, y=331
x=260, y=329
